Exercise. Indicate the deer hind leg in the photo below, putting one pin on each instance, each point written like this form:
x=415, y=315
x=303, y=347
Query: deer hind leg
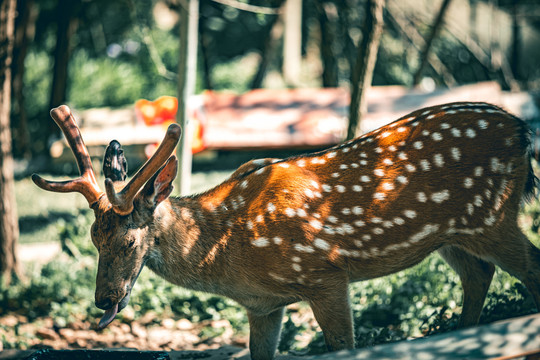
x=476, y=276
x=516, y=255
x=264, y=331
x=332, y=311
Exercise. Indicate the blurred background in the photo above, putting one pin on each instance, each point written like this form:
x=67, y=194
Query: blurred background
x=270, y=78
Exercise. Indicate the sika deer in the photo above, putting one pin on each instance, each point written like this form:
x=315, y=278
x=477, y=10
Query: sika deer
x=447, y=178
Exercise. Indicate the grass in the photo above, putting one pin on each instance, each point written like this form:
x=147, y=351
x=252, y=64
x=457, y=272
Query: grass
x=422, y=300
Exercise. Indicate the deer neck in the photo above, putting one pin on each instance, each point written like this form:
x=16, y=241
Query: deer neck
x=187, y=244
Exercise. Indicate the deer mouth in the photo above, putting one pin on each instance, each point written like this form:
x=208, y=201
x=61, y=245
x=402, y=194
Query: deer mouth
x=110, y=313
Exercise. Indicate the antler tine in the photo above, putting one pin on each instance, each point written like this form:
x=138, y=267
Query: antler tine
x=123, y=201
x=86, y=184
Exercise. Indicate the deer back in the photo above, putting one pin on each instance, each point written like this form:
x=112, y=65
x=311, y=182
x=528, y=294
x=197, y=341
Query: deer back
x=376, y=204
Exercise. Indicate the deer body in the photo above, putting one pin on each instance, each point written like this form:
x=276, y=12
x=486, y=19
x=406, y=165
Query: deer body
x=448, y=178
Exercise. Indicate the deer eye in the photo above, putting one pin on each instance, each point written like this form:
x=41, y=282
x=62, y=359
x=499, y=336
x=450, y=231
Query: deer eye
x=131, y=243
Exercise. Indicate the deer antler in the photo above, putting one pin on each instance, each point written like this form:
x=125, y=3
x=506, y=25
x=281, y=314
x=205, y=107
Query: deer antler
x=86, y=184
x=123, y=201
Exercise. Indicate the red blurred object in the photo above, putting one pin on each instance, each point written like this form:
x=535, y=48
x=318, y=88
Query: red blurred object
x=162, y=111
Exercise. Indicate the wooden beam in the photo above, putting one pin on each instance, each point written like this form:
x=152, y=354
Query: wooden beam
x=187, y=73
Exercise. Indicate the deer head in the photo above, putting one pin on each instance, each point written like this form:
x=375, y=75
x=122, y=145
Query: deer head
x=122, y=231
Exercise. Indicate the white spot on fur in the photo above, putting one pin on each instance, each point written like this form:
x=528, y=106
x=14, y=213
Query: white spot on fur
x=470, y=133
x=326, y=188
x=427, y=230
x=290, y=212
x=468, y=183
x=478, y=171
x=357, y=188
x=418, y=145
x=482, y=124
x=387, y=162
x=402, y=180
x=402, y=156
x=436, y=136
x=304, y=248
x=421, y=196
x=316, y=224
x=321, y=244
x=301, y=212
x=438, y=160
x=346, y=211
x=398, y=221
x=271, y=208
x=341, y=188
x=331, y=154
x=478, y=201
x=425, y=165
x=379, y=196
x=387, y=186
x=284, y=165
x=378, y=172
x=440, y=196
x=411, y=214
x=359, y=223
x=260, y=242
x=357, y=210
x=332, y=219
x=365, y=178
x=277, y=240
x=456, y=153
x=410, y=167
x=456, y=132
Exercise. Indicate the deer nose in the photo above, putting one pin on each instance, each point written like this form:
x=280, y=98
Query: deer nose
x=104, y=304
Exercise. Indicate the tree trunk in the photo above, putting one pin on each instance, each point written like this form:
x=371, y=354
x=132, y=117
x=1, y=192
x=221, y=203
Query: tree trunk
x=270, y=43
x=365, y=64
x=9, y=229
x=429, y=42
x=292, y=42
x=66, y=26
x=24, y=33
x=187, y=74
x=516, y=42
x=328, y=37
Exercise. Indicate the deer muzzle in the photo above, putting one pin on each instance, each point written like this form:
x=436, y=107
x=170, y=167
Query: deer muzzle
x=112, y=307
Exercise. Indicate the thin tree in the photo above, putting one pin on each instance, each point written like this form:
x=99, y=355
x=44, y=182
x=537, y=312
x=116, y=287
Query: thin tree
x=24, y=33
x=67, y=23
x=9, y=229
x=365, y=64
x=328, y=37
x=429, y=42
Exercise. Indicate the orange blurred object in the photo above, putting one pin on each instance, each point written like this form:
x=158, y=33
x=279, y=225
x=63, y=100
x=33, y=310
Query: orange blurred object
x=162, y=111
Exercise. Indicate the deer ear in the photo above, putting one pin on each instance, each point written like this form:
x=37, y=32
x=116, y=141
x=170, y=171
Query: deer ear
x=159, y=187
x=114, y=162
